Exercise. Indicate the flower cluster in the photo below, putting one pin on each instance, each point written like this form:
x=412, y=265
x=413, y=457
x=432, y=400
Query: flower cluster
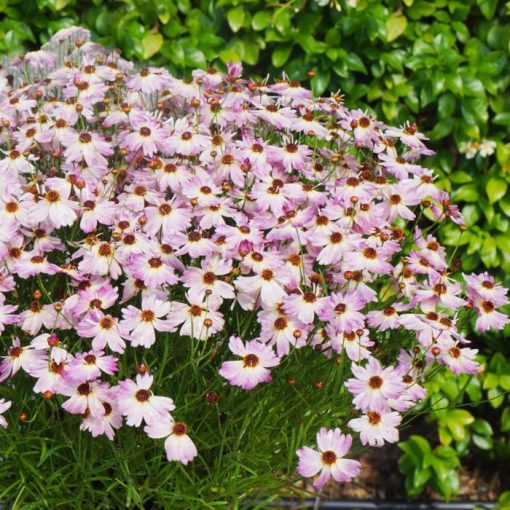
x=138, y=210
x=485, y=148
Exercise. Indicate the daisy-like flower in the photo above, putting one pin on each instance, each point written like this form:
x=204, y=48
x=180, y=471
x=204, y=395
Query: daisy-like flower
x=488, y=316
x=387, y=318
x=37, y=316
x=147, y=135
x=343, y=311
x=483, y=287
x=104, y=330
x=55, y=204
x=7, y=315
x=25, y=357
x=105, y=423
x=88, y=366
x=178, y=445
x=137, y=403
x=169, y=217
x=253, y=369
x=32, y=264
x=373, y=385
x=303, y=306
x=460, y=360
x=206, y=281
x=409, y=135
x=84, y=396
x=375, y=428
x=143, y=324
x=196, y=320
x=266, y=284
x=100, y=259
x=4, y=406
x=90, y=147
x=329, y=461
x=334, y=243
x=152, y=269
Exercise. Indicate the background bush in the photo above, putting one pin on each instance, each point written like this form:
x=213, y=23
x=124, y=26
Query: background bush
x=441, y=63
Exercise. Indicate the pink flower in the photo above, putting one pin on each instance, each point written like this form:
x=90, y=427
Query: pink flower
x=253, y=368
x=178, y=445
x=90, y=147
x=4, y=405
x=55, y=204
x=144, y=323
x=196, y=320
x=104, y=329
x=342, y=311
x=329, y=461
x=18, y=357
x=483, y=287
x=100, y=259
x=373, y=385
x=147, y=135
x=152, y=269
x=489, y=317
x=6, y=316
x=137, y=403
x=205, y=281
x=88, y=366
x=459, y=360
x=377, y=427
x=265, y=284
x=105, y=423
x=303, y=306
x=85, y=396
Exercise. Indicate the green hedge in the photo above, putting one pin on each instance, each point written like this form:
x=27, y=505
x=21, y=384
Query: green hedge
x=443, y=63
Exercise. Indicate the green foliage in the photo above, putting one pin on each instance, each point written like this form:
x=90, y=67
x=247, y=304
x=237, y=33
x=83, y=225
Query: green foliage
x=422, y=465
x=47, y=462
x=451, y=404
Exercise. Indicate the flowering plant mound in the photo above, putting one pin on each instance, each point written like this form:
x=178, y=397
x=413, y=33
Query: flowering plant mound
x=185, y=258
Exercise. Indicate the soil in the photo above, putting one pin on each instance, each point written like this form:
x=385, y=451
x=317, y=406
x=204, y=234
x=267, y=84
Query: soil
x=380, y=479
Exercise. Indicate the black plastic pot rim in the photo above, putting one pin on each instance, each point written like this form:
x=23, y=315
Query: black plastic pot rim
x=317, y=504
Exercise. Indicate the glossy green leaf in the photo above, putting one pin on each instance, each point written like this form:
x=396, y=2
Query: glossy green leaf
x=395, y=26
x=236, y=17
x=502, y=119
x=281, y=54
x=261, y=20
x=496, y=189
x=151, y=44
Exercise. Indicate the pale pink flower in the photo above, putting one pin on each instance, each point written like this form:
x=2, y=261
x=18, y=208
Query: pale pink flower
x=55, y=204
x=84, y=396
x=196, y=320
x=488, y=316
x=4, y=405
x=143, y=324
x=377, y=427
x=373, y=385
x=25, y=357
x=329, y=461
x=253, y=369
x=90, y=147
x=88, y=366
x=178, y=445
x=105, y=423
x=104, y=330
x=137, y=403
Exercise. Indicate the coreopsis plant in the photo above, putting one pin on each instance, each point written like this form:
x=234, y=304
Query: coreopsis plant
x=211, y=271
